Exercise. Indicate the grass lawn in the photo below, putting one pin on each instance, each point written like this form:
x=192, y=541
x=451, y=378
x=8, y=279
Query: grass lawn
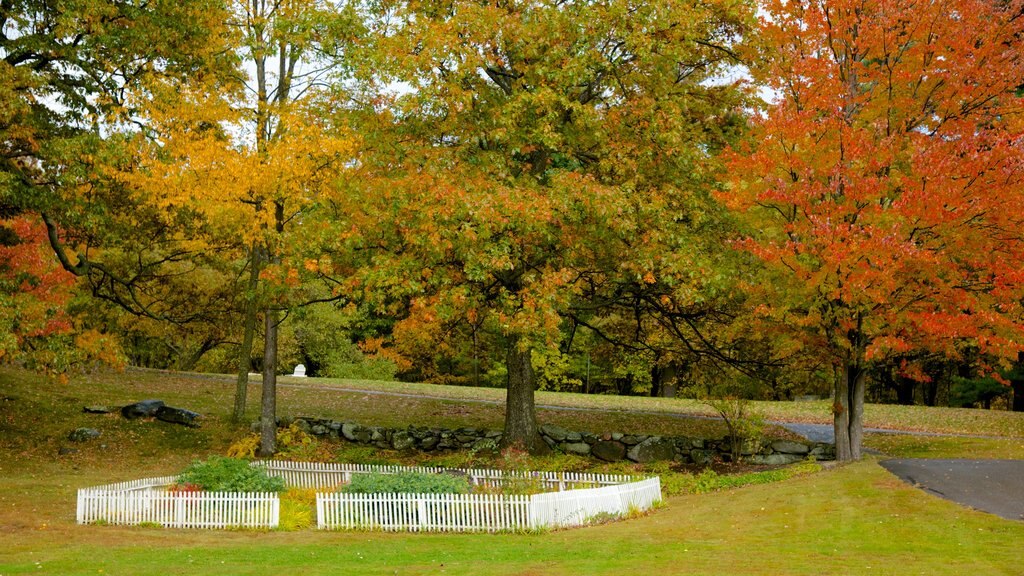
x=855, y=519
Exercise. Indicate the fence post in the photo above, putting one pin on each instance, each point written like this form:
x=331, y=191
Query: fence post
x=421, y=510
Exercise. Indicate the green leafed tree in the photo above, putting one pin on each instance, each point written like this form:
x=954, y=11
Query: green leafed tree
x=522, y=157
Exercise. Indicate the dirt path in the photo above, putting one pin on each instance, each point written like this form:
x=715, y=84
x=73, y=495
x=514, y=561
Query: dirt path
x=993, y=486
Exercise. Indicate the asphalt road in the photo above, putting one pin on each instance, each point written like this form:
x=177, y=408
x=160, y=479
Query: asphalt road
x=994, y=486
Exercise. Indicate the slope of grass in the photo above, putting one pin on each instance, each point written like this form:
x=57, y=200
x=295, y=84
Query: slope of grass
x=884, y=416
x=855, y=519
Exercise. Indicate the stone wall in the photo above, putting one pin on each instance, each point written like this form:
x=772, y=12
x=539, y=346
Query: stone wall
x=611, y=447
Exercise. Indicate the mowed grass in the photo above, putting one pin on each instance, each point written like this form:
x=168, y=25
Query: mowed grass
x=884, y=416
x=855, y=519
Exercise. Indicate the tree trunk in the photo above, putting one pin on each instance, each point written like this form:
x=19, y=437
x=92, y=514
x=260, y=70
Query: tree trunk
x=268, y=405
x=848, y=411
x=905, y=391
x=248, y=334
x=520, y=413
x=1017, y=382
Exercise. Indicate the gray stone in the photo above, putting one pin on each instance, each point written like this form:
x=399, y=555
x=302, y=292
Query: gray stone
x=578, y=448
x=303, y=425
x=334, y=425
x=178, y=416
x=591, y=439
x=98, y=409
x=83, y=434
x=651, y=449
x=429, y=442
x=319, y=430
x=355, y=433
x=790, y=447
x=702, y=457
x=609, y=450
x=573, y=437
x=401, y=440
x=376, y=435
x=632, y=439
x=493, y=434
x=465, y=438
x=143, y=409
x=617, y=436
x=774, y=459
x=556, y=433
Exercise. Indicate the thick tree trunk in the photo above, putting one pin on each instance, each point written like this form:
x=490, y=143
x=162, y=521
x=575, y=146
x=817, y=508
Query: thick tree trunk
x=520, y=413
x=248, y=334
x=268, y=404
x=848, y=411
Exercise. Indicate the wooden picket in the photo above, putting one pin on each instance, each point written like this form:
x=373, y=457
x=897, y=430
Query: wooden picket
x=423, y=512
x=483, y=512
x=329, y=475
x=144, y=502
x=147, y=501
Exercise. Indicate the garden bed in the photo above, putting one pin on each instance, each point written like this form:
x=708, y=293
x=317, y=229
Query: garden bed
x=545, y=500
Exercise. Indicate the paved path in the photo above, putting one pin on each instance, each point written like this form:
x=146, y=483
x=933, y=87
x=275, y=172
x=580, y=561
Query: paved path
x=994, y=486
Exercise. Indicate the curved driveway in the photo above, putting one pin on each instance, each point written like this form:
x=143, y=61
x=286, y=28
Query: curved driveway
x=994, y=486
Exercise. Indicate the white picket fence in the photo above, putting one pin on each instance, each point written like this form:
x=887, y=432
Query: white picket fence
x=147, y=502
x=423, y=512
x=330, y=475
x=480, y=512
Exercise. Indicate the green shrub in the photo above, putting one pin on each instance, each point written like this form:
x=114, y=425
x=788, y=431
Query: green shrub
x=407, y=483
x=219, y=474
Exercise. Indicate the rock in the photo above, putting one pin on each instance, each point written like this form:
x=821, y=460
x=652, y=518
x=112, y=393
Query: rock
x=590, y=438
x=143, y=409
x=178, y=416
x=465, y=438
x=286, y=421
x=376, y=435
x=493, y=434
x=609, y=450
x=401, y=440
x=429, y=442
x=83, y=434
x=824, y=452
x=774, y=459
x=617, y=436
x=578, y=448
x=319, y=430
x=573, y=437
x=64, y=451
x=651, y=449
x=790, y=447
x=355, y=433
x=702, y=457
x=334, y=425
x=632, y=440
x=556, y=433
x=98, y=409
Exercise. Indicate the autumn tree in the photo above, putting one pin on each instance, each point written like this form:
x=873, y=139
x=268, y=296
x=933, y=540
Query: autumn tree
x=885, y=175
x=64, y=69
x=523, y=156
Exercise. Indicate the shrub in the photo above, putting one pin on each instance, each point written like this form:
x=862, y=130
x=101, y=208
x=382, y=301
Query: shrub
x=407, y=483
x=298, y=509
x=220, y=474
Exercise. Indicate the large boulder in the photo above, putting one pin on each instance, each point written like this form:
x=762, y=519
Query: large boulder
x=402, y=440
x=651, y=449
x=774, y=459
x=609, y=450
x=790, y=447
x=178, y=416
x=143, y=409
x=577, y=448
x=556, y=433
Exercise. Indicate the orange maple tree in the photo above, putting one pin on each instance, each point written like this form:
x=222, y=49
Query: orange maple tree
x=885, y=179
